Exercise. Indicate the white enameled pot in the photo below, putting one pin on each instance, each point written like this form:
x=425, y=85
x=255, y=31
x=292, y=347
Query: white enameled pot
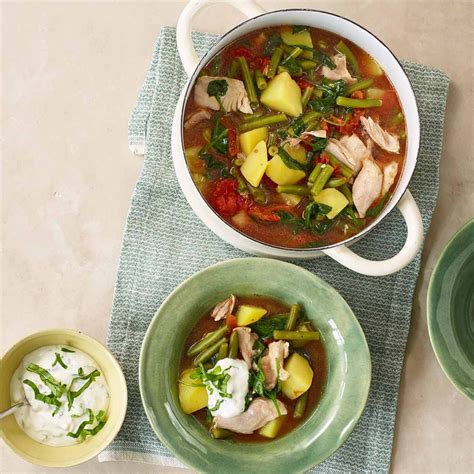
x=402, y=198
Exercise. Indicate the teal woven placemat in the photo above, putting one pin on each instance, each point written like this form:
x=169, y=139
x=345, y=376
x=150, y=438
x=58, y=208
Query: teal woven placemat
x=164, y=243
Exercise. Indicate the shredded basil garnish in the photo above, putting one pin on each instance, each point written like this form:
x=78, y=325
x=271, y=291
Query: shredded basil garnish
x=55, y=386
x=48, y=399
x=89, y=378
x=59, y=361
x=83, y=432
x=215, y=379
x=65, y=349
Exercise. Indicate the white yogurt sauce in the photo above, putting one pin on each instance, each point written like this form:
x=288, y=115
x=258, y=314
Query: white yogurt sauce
x=237, y=387
x=36, y=418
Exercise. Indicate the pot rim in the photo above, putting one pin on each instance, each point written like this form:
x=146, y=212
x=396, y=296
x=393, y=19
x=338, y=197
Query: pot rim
x=392, y=203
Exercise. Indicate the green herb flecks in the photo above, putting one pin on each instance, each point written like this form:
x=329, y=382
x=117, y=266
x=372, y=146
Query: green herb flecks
x=59, y=361
x=218, y=88
x=54, y=385
x=215, y=379
x=89, y=378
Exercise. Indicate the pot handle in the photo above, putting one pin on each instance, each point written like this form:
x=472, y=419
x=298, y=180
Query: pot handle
x=412, y=216
x=186, y=50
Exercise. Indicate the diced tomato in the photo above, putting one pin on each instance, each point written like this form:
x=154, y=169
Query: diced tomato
x=306, y=145
x=232, y=141
x=225, y=198
x=352, y=124
x=267, y=213
x=264, y=62
x=303, y=83
x=357, y=95
x=267, y=342
x=337, y=170
x=231, y=322
x=323, y=159
x=242, y=51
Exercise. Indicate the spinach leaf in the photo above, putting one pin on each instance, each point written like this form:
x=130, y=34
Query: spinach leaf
x=217, y=88
x=326, y=104
x=296, y=223
x=298, y=126
x=215, y=164
x=299, y=28
x=265, y=327
x=294, y=69
x=272, y=42
x=291, y=162
x=219, y=139
x=318, y=144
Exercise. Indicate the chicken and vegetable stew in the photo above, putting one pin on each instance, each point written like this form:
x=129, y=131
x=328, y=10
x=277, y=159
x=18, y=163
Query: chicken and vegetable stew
x=253, y=369
x=295, y=136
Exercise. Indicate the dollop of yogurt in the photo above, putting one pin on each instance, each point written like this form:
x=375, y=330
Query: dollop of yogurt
x=228, y=399
x=58, y=366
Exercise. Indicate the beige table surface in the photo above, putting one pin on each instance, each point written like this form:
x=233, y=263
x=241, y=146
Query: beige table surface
x=70, y=74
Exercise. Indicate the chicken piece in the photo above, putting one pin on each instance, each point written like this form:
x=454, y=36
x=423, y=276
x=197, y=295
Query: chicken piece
x=260, y=412
x=367, y=186
x=384, y=140
x=196, y=117
x=246, y=341
x=224, y=308
x=272, y=363
x=236, y=97
x=340, y=71
x=350, y=150
x=389, y=174
x=315, y=133
x=295, y=141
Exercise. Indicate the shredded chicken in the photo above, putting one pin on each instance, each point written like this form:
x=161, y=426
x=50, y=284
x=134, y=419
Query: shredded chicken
x=350, y=150
x=246, y=341
x=367, y=186
x=383, y=139
x=272, y=363
x=293, y=141
x=196, y=117
x=340, y=71
x=224, y=308
x=389, y=174
x=260, y=412
x=315, y=133
x=236, y=97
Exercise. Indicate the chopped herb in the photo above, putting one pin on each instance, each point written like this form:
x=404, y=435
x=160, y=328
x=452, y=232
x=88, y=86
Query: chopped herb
x=265, y=326
x=215, y=379
x=54, y=385
x=83, y=425
x=215, y=164
x=59, y=361
x=65, y=349
x=217, y=405
x=89, y=378
x=50, y=399
x=218, y=88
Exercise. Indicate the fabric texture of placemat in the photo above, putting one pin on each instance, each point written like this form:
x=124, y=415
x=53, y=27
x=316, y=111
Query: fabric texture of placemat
x=165, y=243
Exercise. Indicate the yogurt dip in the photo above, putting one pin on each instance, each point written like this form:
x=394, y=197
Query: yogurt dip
x=66, y=392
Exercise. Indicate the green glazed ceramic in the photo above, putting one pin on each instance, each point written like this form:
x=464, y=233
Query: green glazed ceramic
x=333, y=419
x=451, y=310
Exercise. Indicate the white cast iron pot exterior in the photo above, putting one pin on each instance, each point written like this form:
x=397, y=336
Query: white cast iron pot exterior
x=402, y=197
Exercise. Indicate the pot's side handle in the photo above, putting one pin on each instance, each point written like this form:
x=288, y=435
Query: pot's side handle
x=412, y=216
x=186, y=49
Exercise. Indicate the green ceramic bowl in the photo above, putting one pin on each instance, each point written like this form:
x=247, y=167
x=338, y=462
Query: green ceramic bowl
x=63, y=456
x=333, y=419
x=451, y=310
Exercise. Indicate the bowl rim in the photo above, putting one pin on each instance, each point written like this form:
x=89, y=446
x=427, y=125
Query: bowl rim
x=389, y=206
x=116, y=366
x=444, y=359
x=161, y=435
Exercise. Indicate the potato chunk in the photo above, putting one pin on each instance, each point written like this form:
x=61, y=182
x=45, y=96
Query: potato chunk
x=279, y=173
x=247, y=314
x=333, y=198
x=300, y=376
x=191, y=398
x=302, y=38
x=271, y=429
x=248, y=140
x=255, y=164
x=283, y=94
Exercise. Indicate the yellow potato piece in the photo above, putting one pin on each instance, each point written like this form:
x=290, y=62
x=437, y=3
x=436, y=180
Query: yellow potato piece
x=283, y=94
x=248, y=140
x=300, y=376
x=255, y=164
x=291, y=199
x=248, y=314
x=191, y=398
x=334, y=198
x=271, y=429
x=302, y=38
x=279, y=173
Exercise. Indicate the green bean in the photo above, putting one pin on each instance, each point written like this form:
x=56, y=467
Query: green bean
x=296, y=335
x=206, y=354
x=345, y=170
x=223, y=351
x=358, y=103
x=234, y=68
x=322, y=179
x=207, y=340
x=335, y=182
x=358, y=86
x=344, y=49
x=308, y=116
x=250, y=117
x=305, y=327
x=294, y=314
x=234, y=345
x=274, y=62
x=272, y=150
x=260, y=80
x=318, y=93
x=292, y=72
x=310, y=74
x=248, y=81
x=306, y=95
x=295, y=52
x=307, y=64
x=241, y=183
x=263, y=121
x=293, y=189
x=258, y=194
x=300, y=405
x=220, y=433
x=314, y=174
x=347, y=192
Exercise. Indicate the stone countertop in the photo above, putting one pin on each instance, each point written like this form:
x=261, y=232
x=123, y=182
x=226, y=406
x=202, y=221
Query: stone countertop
x=71, y=73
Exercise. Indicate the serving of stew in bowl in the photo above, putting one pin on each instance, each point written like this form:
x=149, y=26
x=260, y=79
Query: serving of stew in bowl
x=297, y=133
